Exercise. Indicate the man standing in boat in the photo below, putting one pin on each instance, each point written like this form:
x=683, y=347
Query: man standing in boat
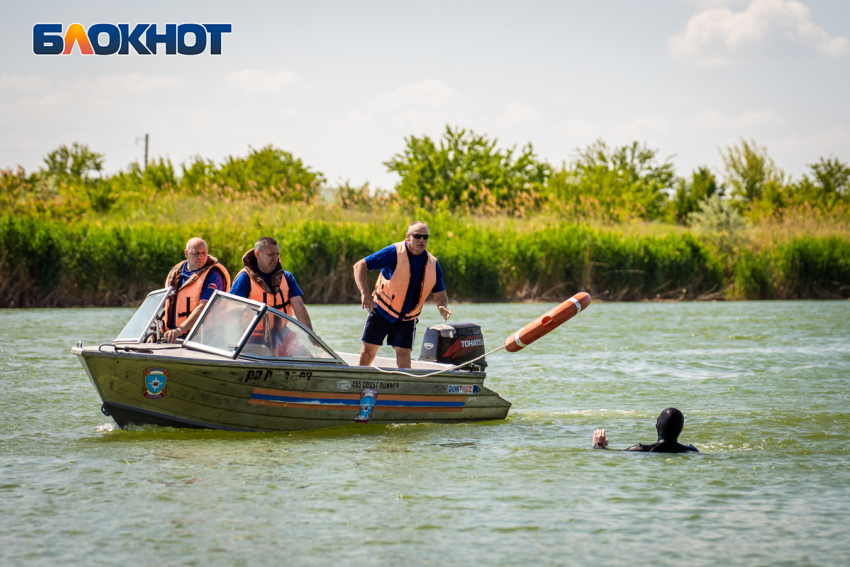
x=192, y=282
x=263, y=279
x=409, y=273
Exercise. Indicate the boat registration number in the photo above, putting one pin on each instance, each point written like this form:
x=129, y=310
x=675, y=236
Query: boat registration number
x=265, y=375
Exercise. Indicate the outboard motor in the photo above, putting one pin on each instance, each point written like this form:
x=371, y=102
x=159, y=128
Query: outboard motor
x=454, y=343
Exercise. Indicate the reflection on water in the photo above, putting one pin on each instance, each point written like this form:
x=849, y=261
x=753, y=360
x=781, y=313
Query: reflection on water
x=764, y=388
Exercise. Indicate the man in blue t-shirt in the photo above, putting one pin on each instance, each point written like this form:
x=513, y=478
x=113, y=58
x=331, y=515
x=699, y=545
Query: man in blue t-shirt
x=404, y=284
x=263, y=263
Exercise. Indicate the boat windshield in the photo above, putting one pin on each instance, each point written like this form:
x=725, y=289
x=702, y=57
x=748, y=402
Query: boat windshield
x=277, y=337
x=223, y=325
x=143, y=319
x=235, y=326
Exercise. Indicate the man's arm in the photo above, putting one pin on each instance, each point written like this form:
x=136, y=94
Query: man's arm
x=301, y=311
x=442, y=299
x=172, y=335
x=361, y=278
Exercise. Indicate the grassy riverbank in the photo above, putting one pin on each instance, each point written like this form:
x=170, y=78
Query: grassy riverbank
x=112, y=261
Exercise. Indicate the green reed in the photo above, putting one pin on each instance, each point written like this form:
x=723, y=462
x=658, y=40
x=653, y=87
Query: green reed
x=806, y=267
x=48, y=262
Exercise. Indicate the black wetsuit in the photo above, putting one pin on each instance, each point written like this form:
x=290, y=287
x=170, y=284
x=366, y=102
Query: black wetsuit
x=662, y=447
x=669, y=425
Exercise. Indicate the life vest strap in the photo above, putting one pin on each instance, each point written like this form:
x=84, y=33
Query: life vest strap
x=276, y=305
x=386, y=306
x=188, y=308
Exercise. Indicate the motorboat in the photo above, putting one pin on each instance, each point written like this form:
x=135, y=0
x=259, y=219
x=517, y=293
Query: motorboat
x=246, y=366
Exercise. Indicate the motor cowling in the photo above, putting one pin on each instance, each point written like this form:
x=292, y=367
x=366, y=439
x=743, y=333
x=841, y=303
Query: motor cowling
x=453, y=343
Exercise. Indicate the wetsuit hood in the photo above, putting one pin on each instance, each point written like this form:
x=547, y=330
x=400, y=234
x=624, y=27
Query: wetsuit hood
x=669, y=425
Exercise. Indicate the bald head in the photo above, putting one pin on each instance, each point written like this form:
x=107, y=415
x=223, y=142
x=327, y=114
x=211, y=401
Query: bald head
x=195, y=241
x=196, y=253
x=416, y=225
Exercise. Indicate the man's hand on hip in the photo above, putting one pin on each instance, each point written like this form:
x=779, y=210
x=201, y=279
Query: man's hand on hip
x=367, y=302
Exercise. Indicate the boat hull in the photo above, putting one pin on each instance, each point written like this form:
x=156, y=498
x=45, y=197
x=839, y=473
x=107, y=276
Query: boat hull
x=170, y=390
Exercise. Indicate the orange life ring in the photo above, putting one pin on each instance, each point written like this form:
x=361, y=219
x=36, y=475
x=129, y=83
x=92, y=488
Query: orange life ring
x=547, y=322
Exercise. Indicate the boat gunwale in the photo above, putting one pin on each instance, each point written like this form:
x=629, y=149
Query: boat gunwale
x=93, y=352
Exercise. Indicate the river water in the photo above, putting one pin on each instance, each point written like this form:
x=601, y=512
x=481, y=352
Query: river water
x=763, y=386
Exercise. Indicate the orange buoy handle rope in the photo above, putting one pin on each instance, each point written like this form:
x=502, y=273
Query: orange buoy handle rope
x=547, y=322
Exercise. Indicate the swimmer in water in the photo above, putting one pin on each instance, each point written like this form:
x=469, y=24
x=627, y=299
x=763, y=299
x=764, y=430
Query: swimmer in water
x=669, y=425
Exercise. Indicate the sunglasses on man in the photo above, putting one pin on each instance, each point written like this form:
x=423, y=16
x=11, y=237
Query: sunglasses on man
x=420, y=236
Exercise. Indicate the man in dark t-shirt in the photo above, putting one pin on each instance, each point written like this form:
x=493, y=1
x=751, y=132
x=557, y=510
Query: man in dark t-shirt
x=408, y=270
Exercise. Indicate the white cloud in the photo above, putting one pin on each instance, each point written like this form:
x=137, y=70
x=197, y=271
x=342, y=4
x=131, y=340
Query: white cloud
x=255, y=81
x=28, y=83
x=432, y=94
x=421, y=106
x=807, y=148
x=641, y=128
x=712, y=120
x=132, y=84
x=705, y=4
x=102, y=93
x=578, y=129
x=718, y=35
x=353, y=119
x=515, y=113
x=52, y=100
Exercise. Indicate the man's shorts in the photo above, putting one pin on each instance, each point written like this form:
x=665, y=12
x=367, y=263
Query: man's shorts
x=399, y=334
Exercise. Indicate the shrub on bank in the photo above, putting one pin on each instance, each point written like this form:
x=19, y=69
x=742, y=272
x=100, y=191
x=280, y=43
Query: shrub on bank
x=801, y=268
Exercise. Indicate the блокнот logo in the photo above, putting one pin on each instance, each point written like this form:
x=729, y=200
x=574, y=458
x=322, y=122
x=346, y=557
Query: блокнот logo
x=112, y=39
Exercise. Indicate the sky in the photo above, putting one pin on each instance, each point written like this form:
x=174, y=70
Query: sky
x=342, y=84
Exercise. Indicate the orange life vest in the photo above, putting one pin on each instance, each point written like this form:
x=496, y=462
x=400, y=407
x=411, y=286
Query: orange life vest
x=390, y=293
x=279, y=299
x=184, y=299
x=262, y=293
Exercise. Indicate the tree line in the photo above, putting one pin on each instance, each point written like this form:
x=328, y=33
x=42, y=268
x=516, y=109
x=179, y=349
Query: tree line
x=461, y=172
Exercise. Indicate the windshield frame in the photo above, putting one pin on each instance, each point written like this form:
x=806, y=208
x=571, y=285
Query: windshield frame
x=260, y=312
x=147, y=327
x=261, y=309
x=335, y=360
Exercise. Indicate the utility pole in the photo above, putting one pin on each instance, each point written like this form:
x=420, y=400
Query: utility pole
x=147, y=136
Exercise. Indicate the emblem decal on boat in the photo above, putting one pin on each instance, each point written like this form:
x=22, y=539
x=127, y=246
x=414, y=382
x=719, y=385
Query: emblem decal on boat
x=428, y=346
x=155, y=379
x=367, y=404
x=343, y=386
x=465, y=389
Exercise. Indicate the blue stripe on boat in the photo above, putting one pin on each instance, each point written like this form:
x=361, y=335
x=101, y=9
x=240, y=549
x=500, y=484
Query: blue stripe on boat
x=338, y=402
x=332, y=402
